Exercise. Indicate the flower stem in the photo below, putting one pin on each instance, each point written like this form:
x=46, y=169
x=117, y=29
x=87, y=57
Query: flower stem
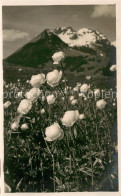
x=64, y=74
x=99, y=148
x=64, y=94
x=72, y=158
x=90, y=154
x=53, y=172
x=53, y=165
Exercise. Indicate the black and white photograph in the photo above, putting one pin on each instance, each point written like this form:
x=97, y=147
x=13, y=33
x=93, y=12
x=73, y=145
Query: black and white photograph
x=60, y=124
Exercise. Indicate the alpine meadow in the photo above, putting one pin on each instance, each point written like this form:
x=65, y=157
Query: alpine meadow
x=60, y=108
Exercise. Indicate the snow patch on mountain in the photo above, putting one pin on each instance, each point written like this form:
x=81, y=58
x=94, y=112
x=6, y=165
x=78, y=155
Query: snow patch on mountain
x=82, y=37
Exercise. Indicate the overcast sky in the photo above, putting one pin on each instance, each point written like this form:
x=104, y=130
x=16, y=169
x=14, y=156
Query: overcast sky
x=22, y=23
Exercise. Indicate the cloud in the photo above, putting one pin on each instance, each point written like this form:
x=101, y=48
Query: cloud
x=13, y=34
x=103, y=10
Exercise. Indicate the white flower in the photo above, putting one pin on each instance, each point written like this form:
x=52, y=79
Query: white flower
x=63, y=98
x=27, y=81
x=78, y=84
x=70, y=117
x=6, y=86
x=7, y=188
x=37, y=80
x=55, y=62
x=20, y=94
x=64, y=80
x=75, y=132
x=24, y=126
x=54, y=132
x=14, y=126
x=24, y=106
x=101, y=104
x=20, y=69
x=73, y=102
x=88, y=77
x=113, y=68
x=97, y=92
x=54, y=77
x=71, y=98
x=84, y=88
x=7, y=104
x=11, y=85
x=65, y=90
x=75, y=89
x=57, y=57
x=42, y=111
x=81, y=116
x=33, y=94
x=50, y=99
x=81, y=95
x=43, y=98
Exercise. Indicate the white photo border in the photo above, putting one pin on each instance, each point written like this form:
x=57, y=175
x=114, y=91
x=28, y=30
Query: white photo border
x=118, y=49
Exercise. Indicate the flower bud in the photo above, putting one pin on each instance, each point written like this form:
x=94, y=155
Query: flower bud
x=7, y=104
x=101, y=104
x=50, y=99
x=14, y=126
x=84, y=88
x=24, y=126
x=24, y=106
x=58, y=56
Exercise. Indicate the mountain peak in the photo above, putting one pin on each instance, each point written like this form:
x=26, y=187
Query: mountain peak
x=84, y=50
x=44, y=34
x=63, y=30
x=82, y=37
